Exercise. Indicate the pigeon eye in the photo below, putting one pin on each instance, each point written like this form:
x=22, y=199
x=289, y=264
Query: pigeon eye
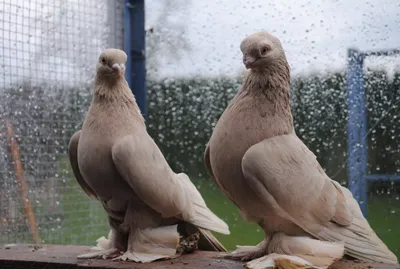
x=265, y=49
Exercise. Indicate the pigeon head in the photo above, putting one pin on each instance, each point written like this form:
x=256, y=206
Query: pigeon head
x=111, y=64
x=261, y=50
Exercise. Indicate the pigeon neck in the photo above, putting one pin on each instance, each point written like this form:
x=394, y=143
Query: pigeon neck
x=272, y=81
x=111, y=90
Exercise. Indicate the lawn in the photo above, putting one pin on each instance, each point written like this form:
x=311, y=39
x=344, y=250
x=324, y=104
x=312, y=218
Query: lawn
x=84, y=220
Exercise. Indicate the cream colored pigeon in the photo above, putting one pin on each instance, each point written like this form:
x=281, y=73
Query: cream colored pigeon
x=116, y=162
x=256, y=159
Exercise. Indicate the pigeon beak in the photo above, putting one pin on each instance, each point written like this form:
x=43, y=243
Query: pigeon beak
x=118, y=67
x=248, y=61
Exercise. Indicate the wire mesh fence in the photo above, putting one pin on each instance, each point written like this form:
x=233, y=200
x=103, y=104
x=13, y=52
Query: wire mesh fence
x=193, y=70
x=48, y=55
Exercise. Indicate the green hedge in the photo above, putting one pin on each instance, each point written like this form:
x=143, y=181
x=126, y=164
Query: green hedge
x=182, y=113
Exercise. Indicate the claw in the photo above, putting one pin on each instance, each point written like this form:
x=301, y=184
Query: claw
x=127, y=256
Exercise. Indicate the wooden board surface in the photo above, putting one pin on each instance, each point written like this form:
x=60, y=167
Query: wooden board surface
x=56, y=256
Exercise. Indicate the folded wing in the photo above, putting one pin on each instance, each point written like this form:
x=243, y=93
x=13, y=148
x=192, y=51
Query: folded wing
x=142, y=165
x=283, y=171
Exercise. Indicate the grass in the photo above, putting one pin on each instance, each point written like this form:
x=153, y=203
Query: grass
x=384, y=218
x=85, y=220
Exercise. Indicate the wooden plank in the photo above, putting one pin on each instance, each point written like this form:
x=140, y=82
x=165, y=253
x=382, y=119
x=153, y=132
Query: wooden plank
x=65, y=257
x=59, y=257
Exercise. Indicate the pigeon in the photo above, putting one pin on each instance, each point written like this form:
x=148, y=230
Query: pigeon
x=256, y=159
x=115, y=161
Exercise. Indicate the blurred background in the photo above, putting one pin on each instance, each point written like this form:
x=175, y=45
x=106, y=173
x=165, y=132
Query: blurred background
x=193, y=68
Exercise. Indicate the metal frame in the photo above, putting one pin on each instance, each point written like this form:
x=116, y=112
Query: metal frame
x=134, y=46
x=357, y=147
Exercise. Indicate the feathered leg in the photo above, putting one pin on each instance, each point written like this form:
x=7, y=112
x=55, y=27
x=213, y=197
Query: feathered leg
x=279, y=261
x=289, y=252
x=247, y=253
x=148, y=241
x=107, y=247
x=147, y=245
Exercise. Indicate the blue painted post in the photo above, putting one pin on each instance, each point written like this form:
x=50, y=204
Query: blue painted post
x=134, y=46
x=128, y=40
x=356, y=129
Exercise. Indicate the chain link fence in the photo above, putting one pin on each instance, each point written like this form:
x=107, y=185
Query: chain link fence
x=48, y=55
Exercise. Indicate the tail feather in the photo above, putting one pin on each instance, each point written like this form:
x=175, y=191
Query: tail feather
x=365, y=246
x=206, y=219
x=212, y=240
x=360, y=240
x=201, y=216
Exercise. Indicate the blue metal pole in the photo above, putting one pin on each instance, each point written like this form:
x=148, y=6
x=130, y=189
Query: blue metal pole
x=356, y=129
x=128, y=40
x=135, y=49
